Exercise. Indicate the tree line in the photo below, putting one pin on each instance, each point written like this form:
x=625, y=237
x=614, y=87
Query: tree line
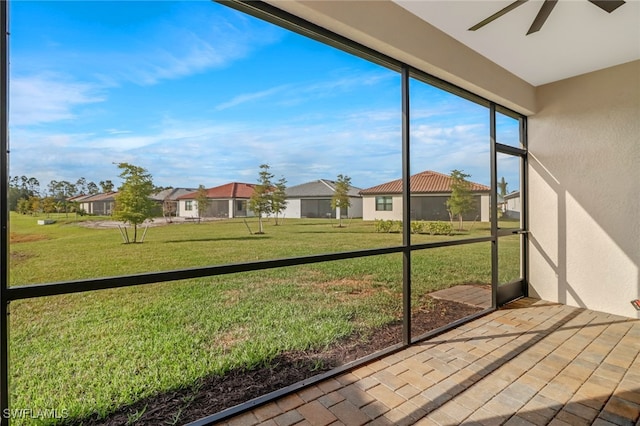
x=27, y=196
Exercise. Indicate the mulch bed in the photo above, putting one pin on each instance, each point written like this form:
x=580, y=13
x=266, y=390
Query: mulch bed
x=213, y=394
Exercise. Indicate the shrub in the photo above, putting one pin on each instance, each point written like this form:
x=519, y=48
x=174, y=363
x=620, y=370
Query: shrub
x=388, y=225
x=383, y=225
x=440, y=228
x=417, y=227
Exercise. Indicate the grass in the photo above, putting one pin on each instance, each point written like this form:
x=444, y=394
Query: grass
x=96, y=351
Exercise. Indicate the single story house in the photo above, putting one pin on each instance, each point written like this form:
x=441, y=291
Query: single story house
x=512, y=205
x=225, y=201
x=78, y=198
x=429, y=194
x=98, y=204
x=167, y=200
x=313, y=199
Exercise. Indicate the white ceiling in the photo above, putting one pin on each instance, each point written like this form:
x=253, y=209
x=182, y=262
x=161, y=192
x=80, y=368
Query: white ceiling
x=578, y=37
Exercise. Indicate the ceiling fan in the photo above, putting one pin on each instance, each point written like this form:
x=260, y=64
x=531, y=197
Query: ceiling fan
x=545, y=10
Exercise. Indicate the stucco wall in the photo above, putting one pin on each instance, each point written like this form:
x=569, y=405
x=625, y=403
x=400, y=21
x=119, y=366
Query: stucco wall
x=183, y=212
x=369, y=209
x=293, y=208
x=584, y=191
x=485, y=208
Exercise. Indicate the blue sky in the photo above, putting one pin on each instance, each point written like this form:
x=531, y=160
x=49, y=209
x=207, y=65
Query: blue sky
x=198, y=93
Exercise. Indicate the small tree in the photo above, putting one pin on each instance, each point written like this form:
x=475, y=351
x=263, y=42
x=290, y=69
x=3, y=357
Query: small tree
x=279, y=197
x=48, y=205
x=340, y=199
x=461, y=200
x=202, y=200
x=260, y=201
x=133, y=204
x=23, y=206
x=502, y=187
x=502, y=191
x=34, y=204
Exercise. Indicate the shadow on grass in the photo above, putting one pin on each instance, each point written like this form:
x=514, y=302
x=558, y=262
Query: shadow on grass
x=211, y=239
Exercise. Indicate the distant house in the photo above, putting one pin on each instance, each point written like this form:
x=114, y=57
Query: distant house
x=225, y=201
x=98, y=204
x=429, y=194
x=313, y=199
x=167, y=200
x=512, y=205
x=78, y=198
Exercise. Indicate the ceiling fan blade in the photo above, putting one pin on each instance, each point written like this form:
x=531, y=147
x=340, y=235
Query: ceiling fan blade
x=542, y=16
x=498, y=14
x=608, y=5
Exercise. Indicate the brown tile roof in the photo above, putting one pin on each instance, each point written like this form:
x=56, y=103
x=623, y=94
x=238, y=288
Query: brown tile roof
x=79, y=197
x=105, y=196
x=421, y=183
x=228, y=190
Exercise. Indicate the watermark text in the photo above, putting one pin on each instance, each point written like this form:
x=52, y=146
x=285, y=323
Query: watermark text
x=35, y=413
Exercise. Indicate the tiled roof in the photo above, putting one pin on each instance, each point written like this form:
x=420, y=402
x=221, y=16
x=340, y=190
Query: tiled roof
x=228, y=190
x=421, y=183
x=106, y=196
x=80, y=197
x=317, y=188
x=171, y=193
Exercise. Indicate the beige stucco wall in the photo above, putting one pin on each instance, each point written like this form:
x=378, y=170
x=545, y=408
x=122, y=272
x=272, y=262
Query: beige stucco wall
x=584, y=191
x=183, y=212
x=584, y=139
x=485, y=208
x=369, y=209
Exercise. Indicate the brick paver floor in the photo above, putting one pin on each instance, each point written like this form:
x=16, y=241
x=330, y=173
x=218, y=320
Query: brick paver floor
x=530, y=363
x=475, y=295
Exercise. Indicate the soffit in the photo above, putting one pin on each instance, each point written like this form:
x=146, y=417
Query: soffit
x=578, y=37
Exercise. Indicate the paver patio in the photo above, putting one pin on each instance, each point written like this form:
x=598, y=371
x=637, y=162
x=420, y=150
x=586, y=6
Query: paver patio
x=474, y=295
x=529, y=363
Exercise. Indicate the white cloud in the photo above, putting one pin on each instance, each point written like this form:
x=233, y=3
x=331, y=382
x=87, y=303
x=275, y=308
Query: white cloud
x=185, y=46
x=48, y=97
x=249, y=97
x=117, y=132
x=294, y=94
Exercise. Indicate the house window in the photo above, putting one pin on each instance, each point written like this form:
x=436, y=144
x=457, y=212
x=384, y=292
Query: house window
x=188, y=205
x=384, y=204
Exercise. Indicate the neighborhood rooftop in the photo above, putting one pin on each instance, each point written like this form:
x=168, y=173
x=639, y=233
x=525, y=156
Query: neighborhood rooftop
x=228, y=190
x=317, y=188
x=421, y=183
x=171, y=193
x=103, y=196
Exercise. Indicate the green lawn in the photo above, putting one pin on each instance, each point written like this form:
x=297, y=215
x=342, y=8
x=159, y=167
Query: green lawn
x=96, y=351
